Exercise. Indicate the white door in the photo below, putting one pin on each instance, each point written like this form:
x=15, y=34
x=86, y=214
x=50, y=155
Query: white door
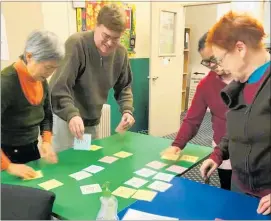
x=166, y=67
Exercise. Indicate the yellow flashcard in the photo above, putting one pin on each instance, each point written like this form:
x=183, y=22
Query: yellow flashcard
x=123, y=154
x=124, y=192
x=146, y=195
x=95, y=147
x=173, y=157
x=38, y=175
x=188, y=158
x=50, y=184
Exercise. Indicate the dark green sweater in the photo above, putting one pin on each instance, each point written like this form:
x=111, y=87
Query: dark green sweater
x=80, y=86
x=20, y=120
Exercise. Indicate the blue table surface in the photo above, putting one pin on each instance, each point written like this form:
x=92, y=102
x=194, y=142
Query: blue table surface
x=189, y=200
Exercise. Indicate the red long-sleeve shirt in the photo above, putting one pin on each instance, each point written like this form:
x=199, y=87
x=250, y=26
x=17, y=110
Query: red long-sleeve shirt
x=207, y=95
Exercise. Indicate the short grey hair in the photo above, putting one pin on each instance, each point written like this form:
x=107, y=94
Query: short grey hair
x=44, y=45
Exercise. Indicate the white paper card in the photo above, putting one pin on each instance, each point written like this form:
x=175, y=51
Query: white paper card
x=136, y=182
x=144, y=172
x=132, y=214
x=80, y=175
x=83, y=144
x=108, y=159
x=89, y=189
x=93, y=169
x=163, y=176
x=176, y=169
x=156, y=165
x=159, y=186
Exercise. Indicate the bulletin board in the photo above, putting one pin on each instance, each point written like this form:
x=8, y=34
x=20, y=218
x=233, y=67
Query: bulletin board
x=86, y=20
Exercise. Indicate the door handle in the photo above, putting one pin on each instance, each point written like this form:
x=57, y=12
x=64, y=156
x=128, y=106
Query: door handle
x=153, y=78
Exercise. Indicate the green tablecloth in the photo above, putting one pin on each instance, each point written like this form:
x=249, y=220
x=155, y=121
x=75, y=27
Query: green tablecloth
x=70, y=202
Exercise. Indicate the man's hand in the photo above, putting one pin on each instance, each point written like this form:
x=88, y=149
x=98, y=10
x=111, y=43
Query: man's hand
x=47, y=152
x=171, y=150
x=127, y=121
x=207, y=168
x=76, y=126
x=21, y=170
x=265, y=205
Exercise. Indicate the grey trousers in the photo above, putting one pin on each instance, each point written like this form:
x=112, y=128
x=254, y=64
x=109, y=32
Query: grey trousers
x=62, y=137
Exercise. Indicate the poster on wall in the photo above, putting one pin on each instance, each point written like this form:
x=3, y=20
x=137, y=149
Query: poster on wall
x=167, y=31
x=197, y=74
x=86, y=21
x=4, y=40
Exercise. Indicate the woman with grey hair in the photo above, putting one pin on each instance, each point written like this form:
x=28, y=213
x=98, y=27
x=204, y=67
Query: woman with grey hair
x=25, y=106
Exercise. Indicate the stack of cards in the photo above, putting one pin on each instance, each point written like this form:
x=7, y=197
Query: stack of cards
x=80, y=175
x=95, y=147
x=38, y=175
x=176, y=169
x=189, y=158
x=136, y=182
x=94, y=169
x=90, y=189
x=156, y=165
x=123, y=154
x=50, y=184
x=159, y=186
x=108, y=159
x=83, y=144
x=145, y=195
x=144, y=172
x=163, y=176
x=124, y=192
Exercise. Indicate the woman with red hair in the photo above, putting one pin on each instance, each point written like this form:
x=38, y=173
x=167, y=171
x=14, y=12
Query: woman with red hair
x=237, y=43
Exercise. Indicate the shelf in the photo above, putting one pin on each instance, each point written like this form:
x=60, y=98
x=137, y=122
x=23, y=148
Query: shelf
x=186, y=50
x=185, y=73
x=183, y=101
x=183, y=91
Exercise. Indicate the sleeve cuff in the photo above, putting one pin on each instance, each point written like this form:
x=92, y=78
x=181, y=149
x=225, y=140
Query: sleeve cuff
x=127, y=111
x=216, y=156
x=5, y=162
x=178, y=144
x=47, y=136
x=71, y=115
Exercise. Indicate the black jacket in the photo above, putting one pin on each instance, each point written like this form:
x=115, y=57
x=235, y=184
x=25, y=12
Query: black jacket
x=248, y=139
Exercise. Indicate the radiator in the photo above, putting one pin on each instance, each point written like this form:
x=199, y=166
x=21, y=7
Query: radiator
x=104, y=128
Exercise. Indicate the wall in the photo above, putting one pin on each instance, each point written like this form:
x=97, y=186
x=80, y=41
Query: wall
x=21, y=18
x=59, y=17
x=207, y=15
x=267, y=21
x=199, y=19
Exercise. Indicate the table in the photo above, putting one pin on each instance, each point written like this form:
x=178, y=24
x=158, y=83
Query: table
x=189, y=200
x=70, y=203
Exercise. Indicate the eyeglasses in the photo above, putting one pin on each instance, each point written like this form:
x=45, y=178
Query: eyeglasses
x=210, y=63
x=213, y=62
x=107, y=38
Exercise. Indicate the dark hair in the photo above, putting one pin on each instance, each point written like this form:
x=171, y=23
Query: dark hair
x=202, y=41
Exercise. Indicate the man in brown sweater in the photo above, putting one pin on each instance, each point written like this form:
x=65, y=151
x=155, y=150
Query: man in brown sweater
x=94, y=63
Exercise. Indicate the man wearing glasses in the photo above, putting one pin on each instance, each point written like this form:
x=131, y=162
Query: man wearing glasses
x=207, y=96
x=94, y=63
